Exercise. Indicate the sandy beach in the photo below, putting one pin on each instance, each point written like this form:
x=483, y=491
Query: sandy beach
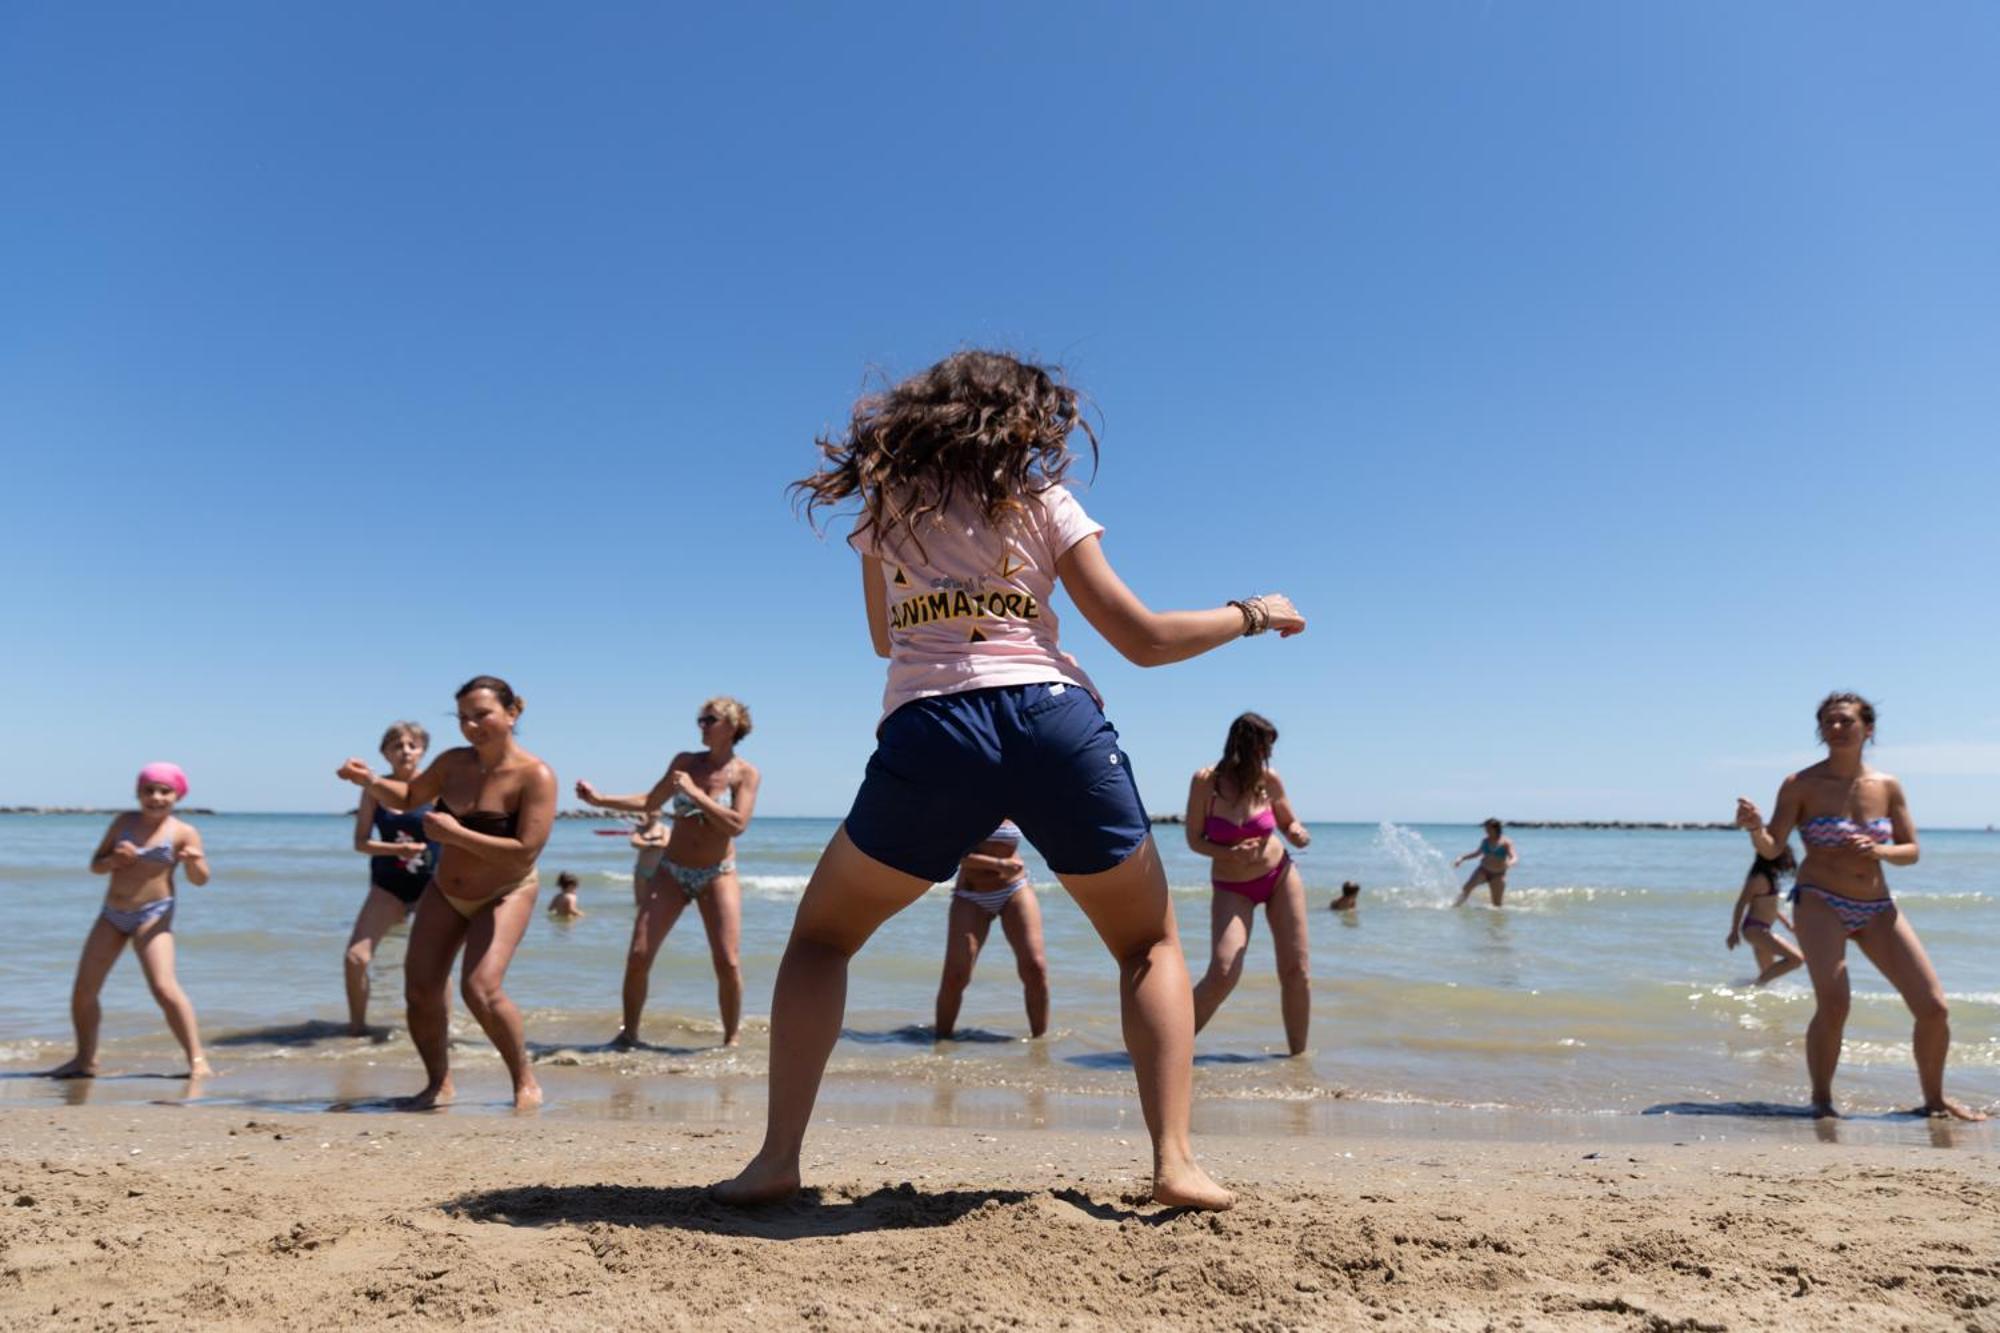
x=118, y=1216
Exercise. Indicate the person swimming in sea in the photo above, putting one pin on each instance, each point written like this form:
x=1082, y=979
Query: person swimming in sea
x=1756, y=913
x=564, y=906
x=140, y=852
x=494, y=804
x=1496, y=857
x=1349, y=899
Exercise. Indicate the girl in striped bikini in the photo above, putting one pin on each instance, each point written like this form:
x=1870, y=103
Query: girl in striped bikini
x=140, y=852
x=1853, y=821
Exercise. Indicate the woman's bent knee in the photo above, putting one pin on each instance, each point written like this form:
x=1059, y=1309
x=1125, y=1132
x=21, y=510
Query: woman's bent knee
x=481, y=993
x=360, y=955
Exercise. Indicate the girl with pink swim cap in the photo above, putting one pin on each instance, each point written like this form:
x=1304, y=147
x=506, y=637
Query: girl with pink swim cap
x=140, y=852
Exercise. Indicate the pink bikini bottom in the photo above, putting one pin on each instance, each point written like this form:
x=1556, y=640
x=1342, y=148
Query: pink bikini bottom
x=1258, y=890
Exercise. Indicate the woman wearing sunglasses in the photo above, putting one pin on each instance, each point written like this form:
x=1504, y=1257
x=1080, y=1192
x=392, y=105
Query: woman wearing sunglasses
x=711, y=793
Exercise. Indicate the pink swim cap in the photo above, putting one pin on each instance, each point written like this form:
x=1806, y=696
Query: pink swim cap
x=166, y=774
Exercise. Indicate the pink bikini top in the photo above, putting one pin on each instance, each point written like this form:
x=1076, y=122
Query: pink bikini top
x=1217, y=829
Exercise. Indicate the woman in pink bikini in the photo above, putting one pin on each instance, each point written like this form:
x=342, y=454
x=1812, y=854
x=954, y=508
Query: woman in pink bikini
x=1233, y=812
x=1853, y=821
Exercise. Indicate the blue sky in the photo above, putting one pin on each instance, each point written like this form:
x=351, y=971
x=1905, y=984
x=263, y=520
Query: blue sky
x=1606, y=381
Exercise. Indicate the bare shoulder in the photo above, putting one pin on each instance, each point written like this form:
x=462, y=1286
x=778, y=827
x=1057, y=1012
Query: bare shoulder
x=742, y=770
x=1203, y=777
x=1273, y=783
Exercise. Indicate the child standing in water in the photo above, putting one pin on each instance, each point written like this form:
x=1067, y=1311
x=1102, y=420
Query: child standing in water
x=1757, y=911
x=649, y=845
x=965, y=529
x=139, y=851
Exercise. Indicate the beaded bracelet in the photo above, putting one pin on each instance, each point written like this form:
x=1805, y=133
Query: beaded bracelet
x=1256, y=615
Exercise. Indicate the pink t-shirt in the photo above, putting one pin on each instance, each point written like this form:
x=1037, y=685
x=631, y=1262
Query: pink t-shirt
x=971, y=611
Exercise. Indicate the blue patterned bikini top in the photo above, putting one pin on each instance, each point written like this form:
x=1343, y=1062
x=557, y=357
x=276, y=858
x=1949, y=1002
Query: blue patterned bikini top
x=162, y=853
x=1838, y=830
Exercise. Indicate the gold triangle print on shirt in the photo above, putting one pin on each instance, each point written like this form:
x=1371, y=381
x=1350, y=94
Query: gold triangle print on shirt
x=977, y=637
x=1011, y=564
x=900, y=579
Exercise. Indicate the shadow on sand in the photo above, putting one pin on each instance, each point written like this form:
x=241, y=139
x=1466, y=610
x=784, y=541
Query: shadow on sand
x=1123, y=1059
x=810, y=1213
x=577, y=1052
x=1771, y=1111
x=309, y=1033
x=921, y=1034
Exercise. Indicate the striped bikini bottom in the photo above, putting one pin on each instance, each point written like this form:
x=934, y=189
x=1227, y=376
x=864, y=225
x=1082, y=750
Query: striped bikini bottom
x=989, y=901
x=1856, y=914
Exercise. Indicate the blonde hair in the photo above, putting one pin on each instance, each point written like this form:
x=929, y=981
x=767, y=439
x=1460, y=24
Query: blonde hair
x=414, y=730
x=732, y=711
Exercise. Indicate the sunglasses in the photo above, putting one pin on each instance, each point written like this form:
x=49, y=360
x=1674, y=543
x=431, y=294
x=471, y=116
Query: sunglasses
x=707, y=720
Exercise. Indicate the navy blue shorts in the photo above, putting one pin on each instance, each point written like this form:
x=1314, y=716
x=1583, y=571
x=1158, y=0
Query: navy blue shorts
x=947, y=769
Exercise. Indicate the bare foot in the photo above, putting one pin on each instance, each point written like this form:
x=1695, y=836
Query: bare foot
x=757, y=1183
x=624, y=1041
x=1947, y=1108
x=1824, y=1111
x=76, y=1067
x=199, y=1067
x=428, y=1099
x=732, y=1041
x=527, y=1096
x=1188, y=1186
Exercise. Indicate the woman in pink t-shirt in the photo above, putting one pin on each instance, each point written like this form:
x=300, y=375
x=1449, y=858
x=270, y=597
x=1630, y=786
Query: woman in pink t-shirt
x=965, y=527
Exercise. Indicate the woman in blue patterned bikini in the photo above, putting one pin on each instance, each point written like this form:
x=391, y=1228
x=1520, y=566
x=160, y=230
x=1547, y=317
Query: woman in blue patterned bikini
x=713, y=792
x=1853, y=820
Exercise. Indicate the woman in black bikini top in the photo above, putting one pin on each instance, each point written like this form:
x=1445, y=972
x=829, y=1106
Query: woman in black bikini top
x=482, y=894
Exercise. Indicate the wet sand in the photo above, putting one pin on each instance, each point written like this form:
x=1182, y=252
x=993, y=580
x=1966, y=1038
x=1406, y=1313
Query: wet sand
x=115, y=1214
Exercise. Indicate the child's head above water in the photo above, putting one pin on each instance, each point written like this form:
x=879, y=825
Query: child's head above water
x=163, y=775
x=566, y=882
x=984, y=427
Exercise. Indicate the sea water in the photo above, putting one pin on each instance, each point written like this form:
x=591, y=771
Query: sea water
x=1602, y=986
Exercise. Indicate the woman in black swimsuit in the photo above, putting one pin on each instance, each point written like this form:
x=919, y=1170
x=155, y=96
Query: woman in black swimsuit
x=1756, y=912
x=399, y=865
x=495, y=806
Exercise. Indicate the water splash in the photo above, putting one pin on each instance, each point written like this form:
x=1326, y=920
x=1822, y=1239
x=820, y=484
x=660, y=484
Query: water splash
x=1422, y=866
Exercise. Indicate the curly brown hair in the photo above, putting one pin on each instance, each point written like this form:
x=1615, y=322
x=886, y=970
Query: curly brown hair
x=983, y=425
